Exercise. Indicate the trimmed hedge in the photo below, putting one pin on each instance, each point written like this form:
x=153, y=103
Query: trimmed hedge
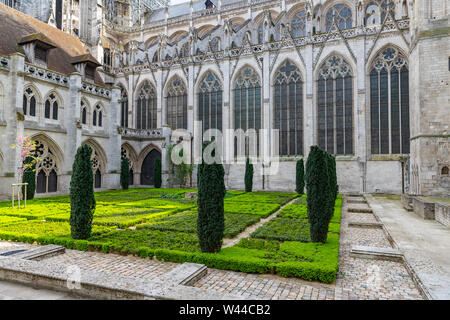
x=125, y=173
x=300, y=177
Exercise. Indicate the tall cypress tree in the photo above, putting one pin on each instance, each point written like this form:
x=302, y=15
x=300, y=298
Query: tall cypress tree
x=125, y=173
x=300, y=177
x=248, y=176
x=211, y=192
x=82, y=200
x=331, y=168
x=157, y=173
x=29, y=176
x=318, y=194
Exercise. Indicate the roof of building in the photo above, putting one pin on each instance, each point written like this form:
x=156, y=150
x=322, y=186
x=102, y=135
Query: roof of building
x=18, y=27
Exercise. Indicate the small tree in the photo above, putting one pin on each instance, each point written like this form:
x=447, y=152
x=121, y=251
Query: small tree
x=331, y=168
x=300, y=177
x=29, y=176
x=82, y=200
x=125, y=173
x=248, y=176
x=318, y=194
x=211, y=192
x=157, y=173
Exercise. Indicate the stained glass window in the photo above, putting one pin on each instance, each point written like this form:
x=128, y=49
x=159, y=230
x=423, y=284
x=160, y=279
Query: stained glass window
x=389, y=103
x=51, y=107
x=377, y=10
x=298, y=25
x=341, y=15
x=288, y=111
x=146, y=115
x=335, y=106
x=210, y=102
x=177, y=104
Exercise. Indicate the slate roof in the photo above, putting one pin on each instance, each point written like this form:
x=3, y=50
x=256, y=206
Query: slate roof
x=18, y=27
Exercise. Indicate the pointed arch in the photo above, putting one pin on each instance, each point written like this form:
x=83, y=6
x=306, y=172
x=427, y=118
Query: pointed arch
x=31, y=100
x=98, y=115
x=98, y=158
x=210, y=101
x=377, y=10
x=342, y=15
x=389, y=101
x=335, y=105
x=53, y=104
x=176, y=103
x=146, y=106
x=48, y=168
x=288, y=108
x=85, y=112
x=123, y=106
x=247, y=105
x=127, y=151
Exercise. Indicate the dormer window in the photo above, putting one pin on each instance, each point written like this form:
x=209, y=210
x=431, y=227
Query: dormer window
x=86, y=65
x=90, y=73
x=36, y=47
x=40, y=55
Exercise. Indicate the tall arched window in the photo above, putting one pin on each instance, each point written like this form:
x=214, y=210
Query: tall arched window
x=377, y=10
x=83, y=112
x=177, y=104
x=298, y=25
x=342, y=16
x=46, y=169
x=335, y=106
x=146, y=107
x=51, y=107
x=288, y=111
x=389, y=103
x=210, y=102
x=123, y=107
x=247, y=102
x=97, y=116
x=29, y=102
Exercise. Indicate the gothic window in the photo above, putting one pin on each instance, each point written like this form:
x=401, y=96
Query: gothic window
x=184, y=52
x=260, y=33
x=341, y=15
x=335, y=106
x=97, y=116
x=51, y=107
x=215, y=44
x=124, y=153
x=83, y=112
x=123, y=107
x=146, y=107
x=247, y=103
x=389, y=103
x=276, y=35
x=377, y=10
x=298, y=25
x=288, y=111
x=210, y=102
x=177, y=104
x=96, y=169
x=29, y=102
x=46, y=169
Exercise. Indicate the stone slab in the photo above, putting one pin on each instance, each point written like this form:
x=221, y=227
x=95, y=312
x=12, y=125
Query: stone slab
x=359, y=224
x=360, y=208
x=423, y=208
x=40, y=252
x=186, y=273
x=389, y=254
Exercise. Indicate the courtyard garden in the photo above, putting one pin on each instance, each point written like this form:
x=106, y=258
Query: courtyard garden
x=162, y=224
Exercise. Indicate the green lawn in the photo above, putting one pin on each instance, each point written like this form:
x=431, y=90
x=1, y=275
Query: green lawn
x=162, y=223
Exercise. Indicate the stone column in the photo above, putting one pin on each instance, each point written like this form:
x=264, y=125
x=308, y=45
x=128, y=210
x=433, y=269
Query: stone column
x=309, y=117
x=114, y=141
x=166, y=132
x=72, y=124
x=14, y=117
x=160, y=118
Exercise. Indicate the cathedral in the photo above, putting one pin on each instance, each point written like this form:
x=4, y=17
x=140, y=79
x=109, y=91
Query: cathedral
x=366, y=80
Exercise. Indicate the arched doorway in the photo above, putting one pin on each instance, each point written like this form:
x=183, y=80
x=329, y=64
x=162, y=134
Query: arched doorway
x=147, y=167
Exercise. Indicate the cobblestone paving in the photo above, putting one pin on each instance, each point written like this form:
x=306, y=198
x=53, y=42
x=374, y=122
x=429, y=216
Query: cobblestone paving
x=361, y=217
x=129, y=266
